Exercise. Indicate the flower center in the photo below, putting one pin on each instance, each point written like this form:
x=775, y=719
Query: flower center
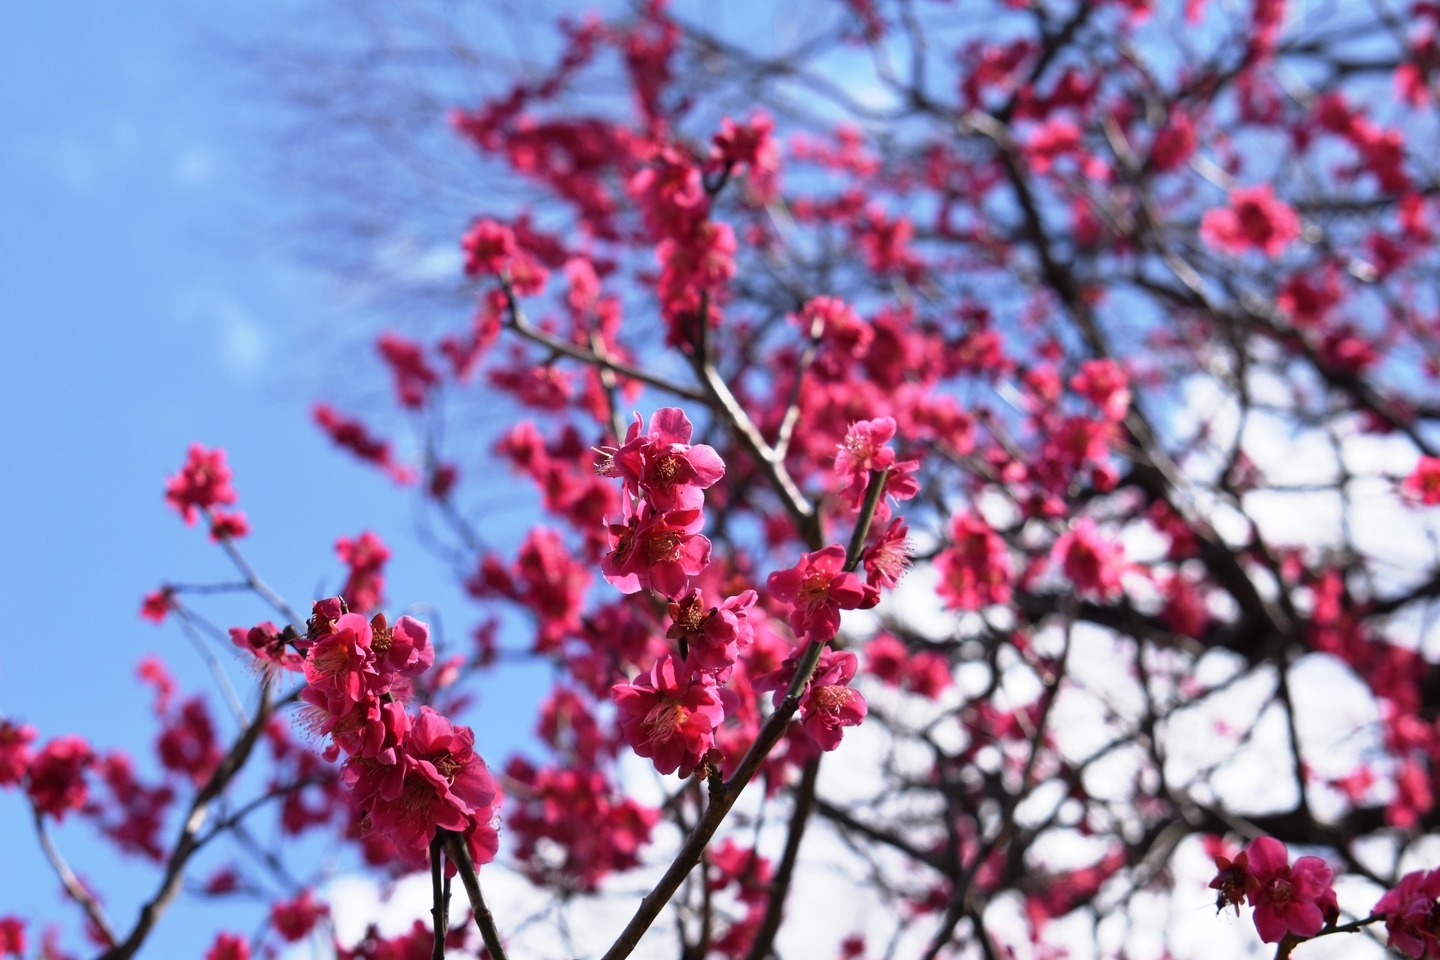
x=447, y=766
x=831, y=698
x=664, y=719
x=667, y=469
x=814, y=591
x=1279, y=891
x=663, y=546
x=624, y=543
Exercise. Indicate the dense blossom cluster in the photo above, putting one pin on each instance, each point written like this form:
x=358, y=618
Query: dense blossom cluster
x=1075, y=393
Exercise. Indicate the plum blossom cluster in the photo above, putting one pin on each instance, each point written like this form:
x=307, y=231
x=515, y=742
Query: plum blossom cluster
x=671, y=712
x=409, y=775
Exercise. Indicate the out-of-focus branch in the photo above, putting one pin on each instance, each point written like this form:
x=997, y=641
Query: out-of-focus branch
x=189, y=840
x=73, y=886
x=960, y=896
x=252, y=579
x=516, y=321
x=785, y=871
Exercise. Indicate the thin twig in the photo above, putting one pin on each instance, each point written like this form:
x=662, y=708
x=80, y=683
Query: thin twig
x=459, y=855
x=439, y=920
x=188, y=841
x=723, y=798
x=72, y=884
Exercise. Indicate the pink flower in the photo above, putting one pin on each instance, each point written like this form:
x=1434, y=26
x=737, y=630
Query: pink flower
x=829, y=704
x=887, y=559
x=836, y=323
x=338, y=664
x=1409, y=912
x=187, y=744
x=202, y=483
x=1174, y=143
x=445, y=784
x=412, y=372
x=365, y=555
x=369, y=727
x=354, y=436
x=751, y=145
x=1423, y=483
x=57, y=776
x=1092, y=563
x=488, y=248
x=927, y=673
x=294, y=919
x=228, y=525
x=1255, y=219
x=1105, y=384
x=865, y=448
x=716, y=636
x=229, y=946
x=670, y=714
x=155, y=606
x=12, y=937
x=656, y=551
x=975, y=571
x=663, y=466
x=819, y=588
x=1287, y=899
x=266, y=643
x=403, y=649
x=15, y=756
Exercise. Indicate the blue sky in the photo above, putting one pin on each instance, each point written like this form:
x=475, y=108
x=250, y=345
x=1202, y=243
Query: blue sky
x=144, y=308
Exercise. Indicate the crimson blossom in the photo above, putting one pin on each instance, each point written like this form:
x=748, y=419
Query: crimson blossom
x=989, y=450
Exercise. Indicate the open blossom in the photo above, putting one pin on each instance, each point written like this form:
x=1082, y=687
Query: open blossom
x=228, y=525
x=403, y=649
x=818, y=588
x=57, y=776
x=656, y=551
x=15, y=756
x=488, y=248
x=369, y=727
x=596, y=828
x=865, y=448
x=1092, y=563
x=1105, y=384
x=829, y=704
x=1255, y=219
x=294, y=919
x=366, y=556
x=663, y=466
x=155, y=606
x=229, y=946
x=267, y=644
x=717, y=635
x=927, y=674
x=670, y=714
x=975, y=571
x=12, y=937
x=1295, y=899
x=887, y=559
x=338, y=665
x=445, y=784
x=834, y=322
x=202, y=483
x=1410, y=913
x=1423, y=483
